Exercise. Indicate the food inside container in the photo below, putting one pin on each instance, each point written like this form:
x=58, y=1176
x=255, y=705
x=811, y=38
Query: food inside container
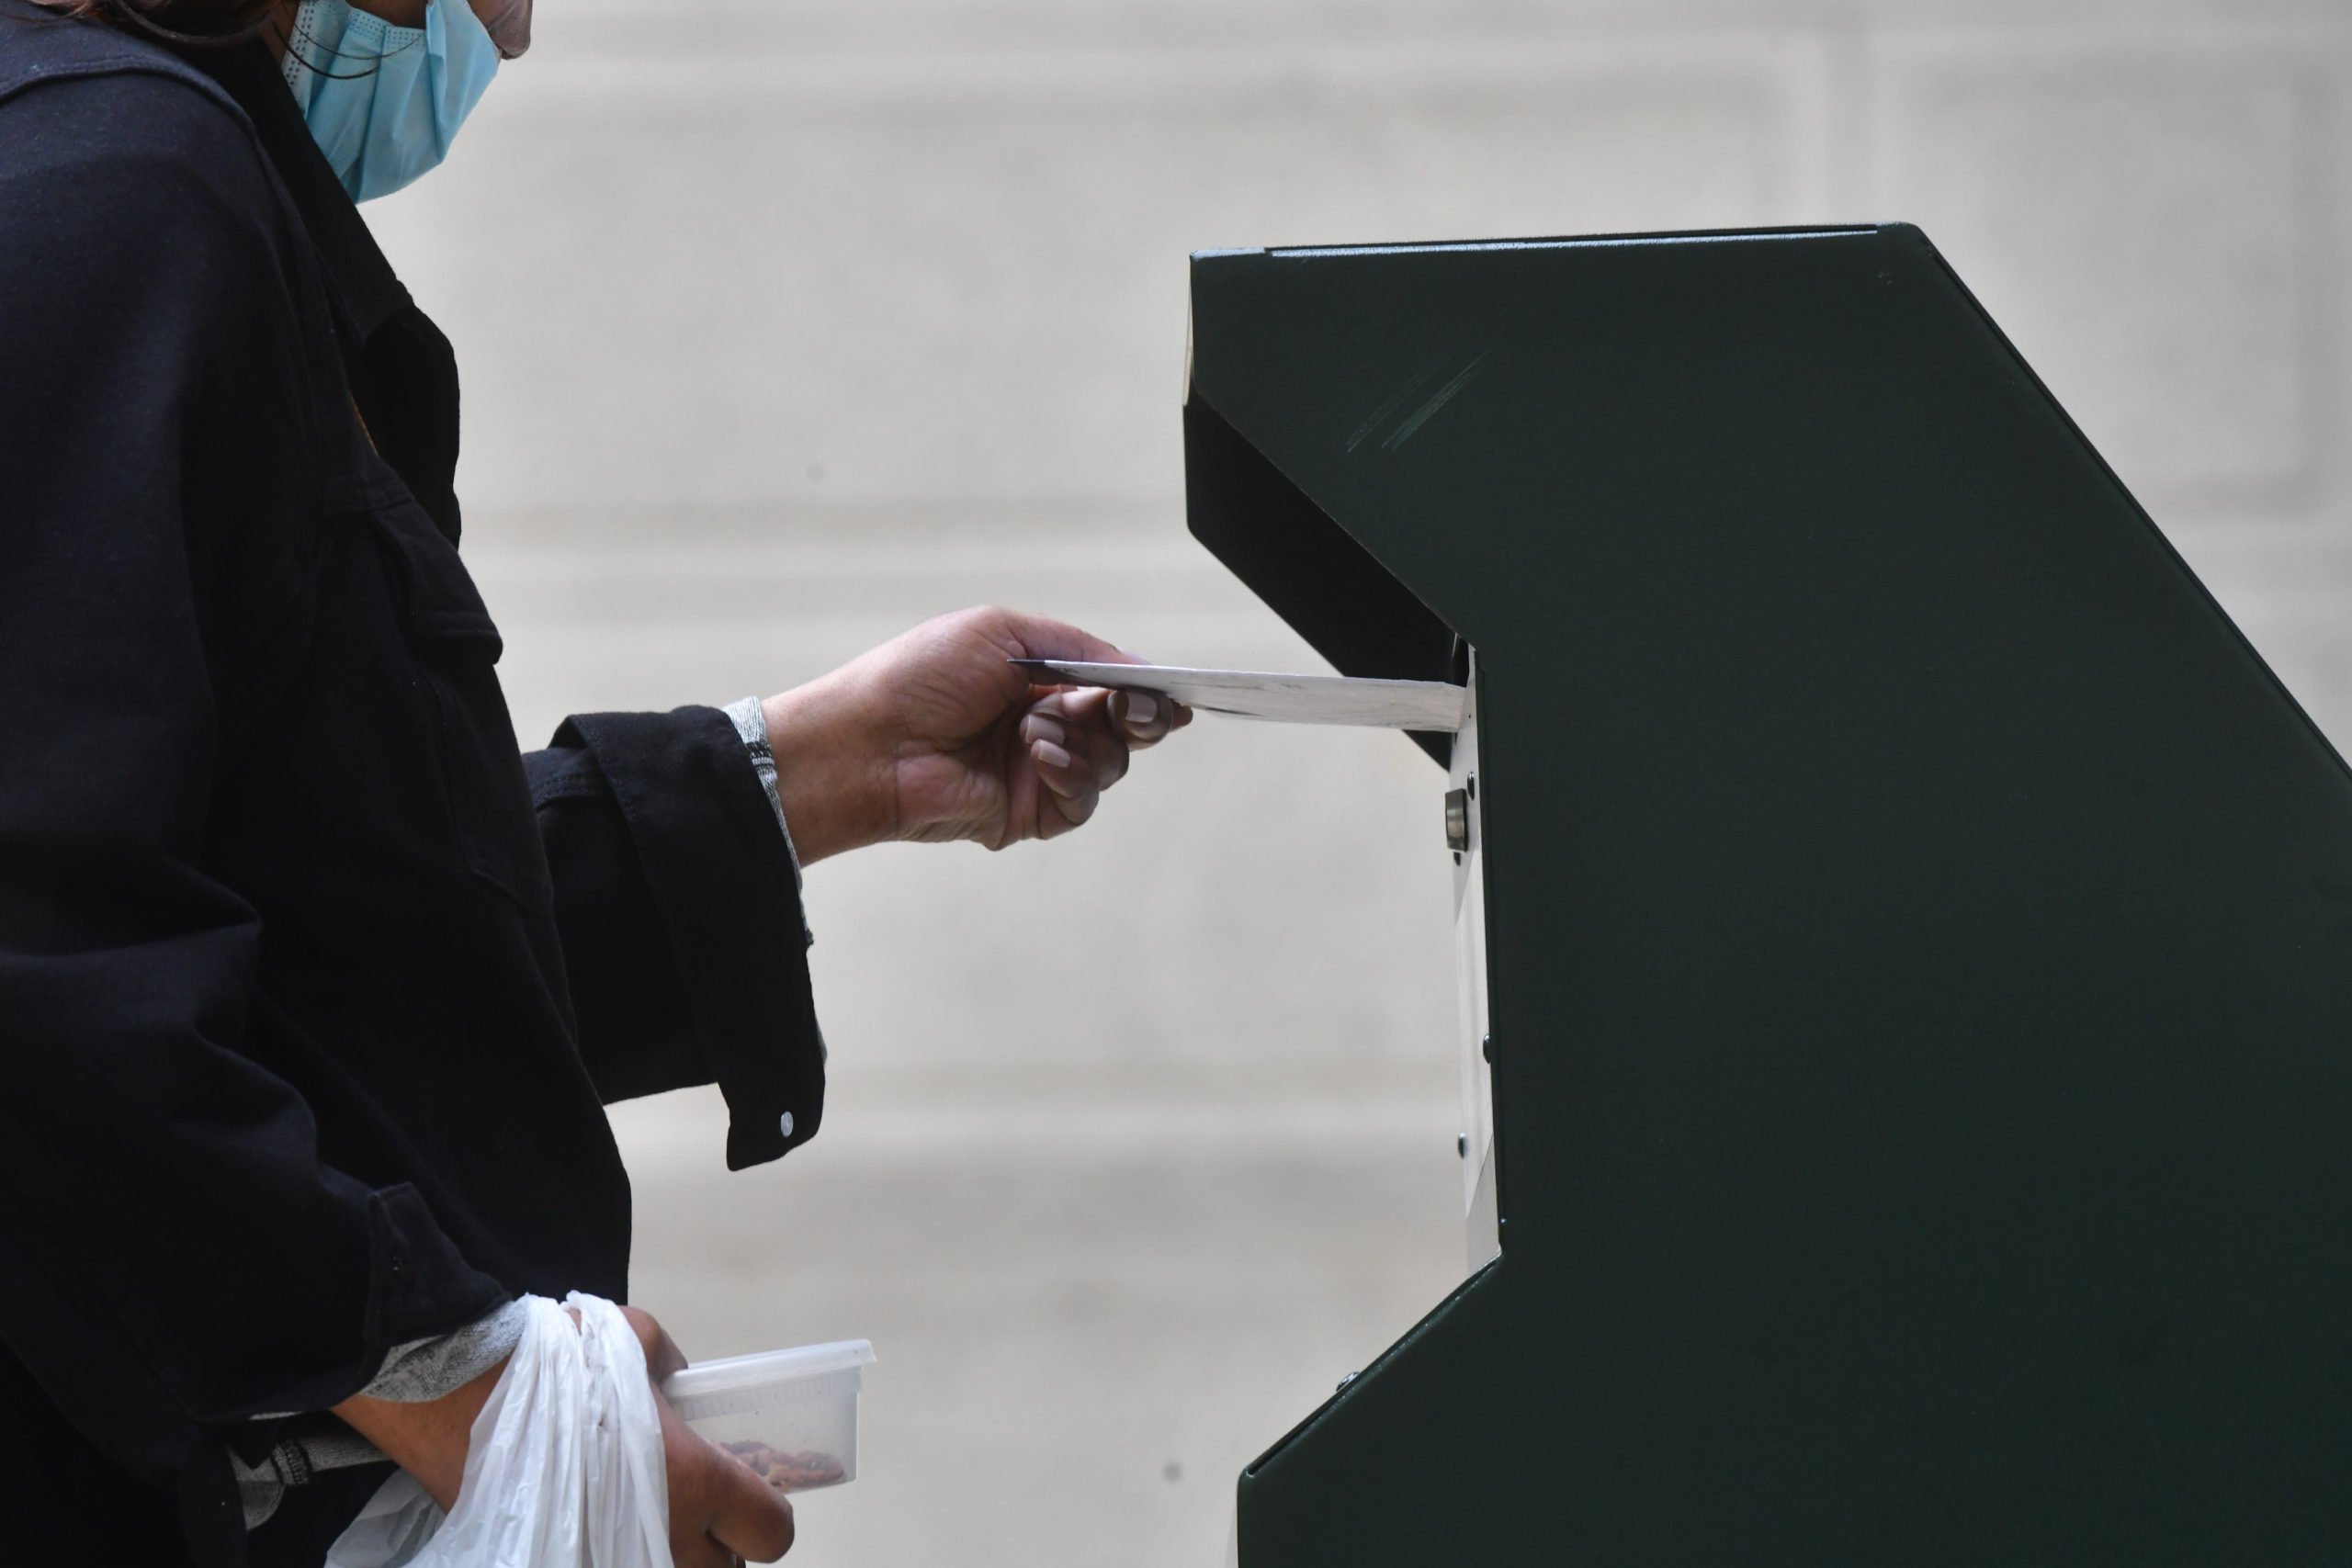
x=790, y=1415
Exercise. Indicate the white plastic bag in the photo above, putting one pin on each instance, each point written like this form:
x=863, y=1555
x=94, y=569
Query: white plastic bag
x=563, y=1470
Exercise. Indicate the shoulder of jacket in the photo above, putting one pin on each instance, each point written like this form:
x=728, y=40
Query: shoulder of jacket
x=39, y=47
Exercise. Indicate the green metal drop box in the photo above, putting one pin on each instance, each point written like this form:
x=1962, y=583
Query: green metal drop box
x=1905, y=931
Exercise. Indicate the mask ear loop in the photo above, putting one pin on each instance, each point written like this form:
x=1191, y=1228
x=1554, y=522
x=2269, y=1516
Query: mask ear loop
x=301, y=38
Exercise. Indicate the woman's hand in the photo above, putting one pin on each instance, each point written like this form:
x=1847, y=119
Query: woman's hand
x=933, y=737
x=720, y=1512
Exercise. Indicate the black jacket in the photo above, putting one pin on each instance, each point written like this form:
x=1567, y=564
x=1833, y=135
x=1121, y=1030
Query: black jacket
x=311, y=987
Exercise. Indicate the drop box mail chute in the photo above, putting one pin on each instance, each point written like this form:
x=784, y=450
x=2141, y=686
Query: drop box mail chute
x=1905, y=931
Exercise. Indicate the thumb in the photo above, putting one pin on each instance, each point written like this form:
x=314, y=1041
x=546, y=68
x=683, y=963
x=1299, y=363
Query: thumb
x=1042, y=639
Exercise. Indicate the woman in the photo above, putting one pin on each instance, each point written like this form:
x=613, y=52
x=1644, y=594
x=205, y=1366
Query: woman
x=312, y=990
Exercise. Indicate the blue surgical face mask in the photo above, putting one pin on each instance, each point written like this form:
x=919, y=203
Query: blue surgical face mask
x=382, y=102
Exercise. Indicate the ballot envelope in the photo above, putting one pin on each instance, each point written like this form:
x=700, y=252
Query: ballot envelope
x=1904, y=931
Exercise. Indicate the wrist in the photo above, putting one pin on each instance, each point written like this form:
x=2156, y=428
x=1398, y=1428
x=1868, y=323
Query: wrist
x=429, y=1438
x=834, y=774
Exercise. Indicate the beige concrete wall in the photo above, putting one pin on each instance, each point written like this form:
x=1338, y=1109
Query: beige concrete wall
x=785, y=325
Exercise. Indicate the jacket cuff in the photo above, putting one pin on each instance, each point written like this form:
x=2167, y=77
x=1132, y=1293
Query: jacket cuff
x=722, y=883
x=421, y=1285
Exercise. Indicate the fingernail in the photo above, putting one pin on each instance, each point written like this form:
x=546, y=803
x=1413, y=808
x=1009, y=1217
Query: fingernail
x=1041, y=726
x=1050, y=754
x=1141, y=708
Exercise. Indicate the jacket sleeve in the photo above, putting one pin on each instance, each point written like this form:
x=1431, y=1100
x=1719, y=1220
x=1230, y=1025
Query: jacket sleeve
x=174, y=1254
x=681, y=924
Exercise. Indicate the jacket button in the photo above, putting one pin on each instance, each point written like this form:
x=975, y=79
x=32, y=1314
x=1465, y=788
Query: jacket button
x=783, y=1123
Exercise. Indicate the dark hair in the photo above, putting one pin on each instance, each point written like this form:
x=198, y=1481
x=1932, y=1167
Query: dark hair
x=183, y=21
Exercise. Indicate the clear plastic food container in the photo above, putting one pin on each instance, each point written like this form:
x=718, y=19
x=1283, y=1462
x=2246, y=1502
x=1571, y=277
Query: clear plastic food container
x=790, y=1415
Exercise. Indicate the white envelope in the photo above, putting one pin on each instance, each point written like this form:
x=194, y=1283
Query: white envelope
x=1289, y=699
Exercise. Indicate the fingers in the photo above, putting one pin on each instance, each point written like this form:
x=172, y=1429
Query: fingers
x=720, y=1512
x=1094, y=735
x=1077, y=743
x=1064, y=757
x=749, y=1518
x=1076, y=755
x=1146, y=719
x=703, y=1552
